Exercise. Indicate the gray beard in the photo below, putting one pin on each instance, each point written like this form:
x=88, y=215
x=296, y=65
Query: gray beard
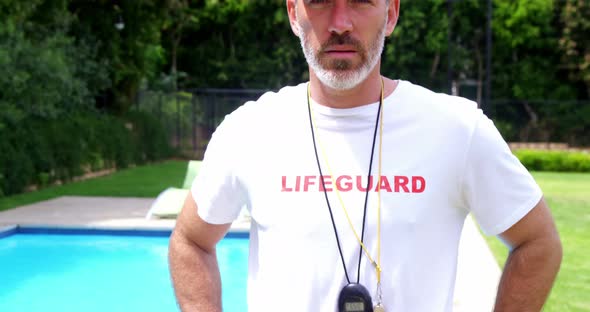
x=342, y=79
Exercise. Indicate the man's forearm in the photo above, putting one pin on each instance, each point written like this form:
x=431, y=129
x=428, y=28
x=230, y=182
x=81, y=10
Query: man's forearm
x=195, y=275
x=528, y=276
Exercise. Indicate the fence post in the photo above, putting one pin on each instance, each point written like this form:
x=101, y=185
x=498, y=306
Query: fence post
x=194, y=121
x=450, y=46
x=177, y=121
x=488, y=105
x=160, y=107
x=138, y=96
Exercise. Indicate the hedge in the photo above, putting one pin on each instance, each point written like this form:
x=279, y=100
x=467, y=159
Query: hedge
x=538, y=160
x=39, y=151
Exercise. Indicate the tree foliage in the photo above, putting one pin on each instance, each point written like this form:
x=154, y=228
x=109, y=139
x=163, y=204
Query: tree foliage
x=575, y=40
x=526, y=54
x=417, y=49
x=68, y=53
x=240, y=44
x=130, y=54
x=45, y=72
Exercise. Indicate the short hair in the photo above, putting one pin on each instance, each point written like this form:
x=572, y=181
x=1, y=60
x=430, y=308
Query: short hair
x=386, y=2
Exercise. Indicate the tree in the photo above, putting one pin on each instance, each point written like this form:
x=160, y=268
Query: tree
x=418, y=45
x=179, y=16
x=43, y=68
x=575, y=41
x=526, y=62
x=241, y=44
x=132, y=53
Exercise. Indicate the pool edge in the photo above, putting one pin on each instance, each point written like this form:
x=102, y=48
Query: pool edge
x=6, y=231
x=92, y=230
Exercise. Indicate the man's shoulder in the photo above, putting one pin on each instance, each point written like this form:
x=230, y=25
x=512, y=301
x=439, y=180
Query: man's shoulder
x=435, y=108
x=435, y=100
x=271, y=105
x=285, y=94
x=275, y=99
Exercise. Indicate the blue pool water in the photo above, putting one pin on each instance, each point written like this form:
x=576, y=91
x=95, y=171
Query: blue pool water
x=64, y=272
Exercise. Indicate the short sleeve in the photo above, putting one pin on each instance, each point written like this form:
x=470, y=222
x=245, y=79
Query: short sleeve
x=216, y=189
x=497, y=188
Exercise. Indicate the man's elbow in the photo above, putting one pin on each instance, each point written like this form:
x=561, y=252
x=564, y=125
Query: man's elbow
x=552, y=245
x=555, y=249
x=544, y=252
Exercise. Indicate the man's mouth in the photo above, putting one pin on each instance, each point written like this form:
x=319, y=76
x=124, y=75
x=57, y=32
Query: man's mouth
x=342, y=51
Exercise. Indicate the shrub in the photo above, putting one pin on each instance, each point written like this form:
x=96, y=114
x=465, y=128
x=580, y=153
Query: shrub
x=15, y=165
x=538, y=160
x=1, y=185
x=579, y=162
x=149, y=137
x=39, y=148
x=66, y=143
x=40, y=151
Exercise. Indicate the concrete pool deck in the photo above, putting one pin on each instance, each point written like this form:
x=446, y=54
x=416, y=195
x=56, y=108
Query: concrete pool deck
x=477, y=273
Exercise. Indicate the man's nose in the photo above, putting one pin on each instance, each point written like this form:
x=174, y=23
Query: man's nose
x=340, y=21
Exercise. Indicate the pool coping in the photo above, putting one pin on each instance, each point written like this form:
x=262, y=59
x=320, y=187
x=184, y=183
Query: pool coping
x=6, y=231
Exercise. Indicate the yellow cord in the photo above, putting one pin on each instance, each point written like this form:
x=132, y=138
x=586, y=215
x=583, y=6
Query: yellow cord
x=379, y=191
x=376, y=264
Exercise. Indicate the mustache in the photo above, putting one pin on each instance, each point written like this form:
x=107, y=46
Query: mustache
x=337, y=39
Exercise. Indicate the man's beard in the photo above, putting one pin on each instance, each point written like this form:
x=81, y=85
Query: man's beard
x=342, y=74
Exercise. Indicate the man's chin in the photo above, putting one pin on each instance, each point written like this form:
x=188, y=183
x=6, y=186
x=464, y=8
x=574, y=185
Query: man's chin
x=340, y=81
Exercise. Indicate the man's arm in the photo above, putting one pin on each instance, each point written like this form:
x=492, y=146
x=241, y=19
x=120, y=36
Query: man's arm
x=533, y=262
x=193, y=261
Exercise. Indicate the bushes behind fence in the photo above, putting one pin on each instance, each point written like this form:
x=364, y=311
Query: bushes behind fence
x=40, y=152
x=539, y=160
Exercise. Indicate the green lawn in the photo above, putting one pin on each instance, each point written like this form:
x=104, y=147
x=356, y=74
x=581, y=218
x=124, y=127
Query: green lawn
x=144, y=181
x=568, y=195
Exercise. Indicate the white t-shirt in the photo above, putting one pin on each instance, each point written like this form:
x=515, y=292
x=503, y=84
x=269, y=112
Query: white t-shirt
x=441, y=159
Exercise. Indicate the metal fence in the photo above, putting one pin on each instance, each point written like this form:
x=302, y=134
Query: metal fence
x=191, y=116
x=543, y=121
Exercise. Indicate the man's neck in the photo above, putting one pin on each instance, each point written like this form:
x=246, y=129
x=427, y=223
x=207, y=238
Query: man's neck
x=367, y=92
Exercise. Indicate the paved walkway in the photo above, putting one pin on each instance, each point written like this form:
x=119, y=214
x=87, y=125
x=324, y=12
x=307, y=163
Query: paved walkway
x=477, y=276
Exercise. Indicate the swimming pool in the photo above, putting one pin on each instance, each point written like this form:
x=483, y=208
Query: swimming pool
x=106, y=272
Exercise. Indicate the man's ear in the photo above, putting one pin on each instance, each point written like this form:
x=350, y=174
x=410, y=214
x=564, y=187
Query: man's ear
x=291, y=7
x=392, y=16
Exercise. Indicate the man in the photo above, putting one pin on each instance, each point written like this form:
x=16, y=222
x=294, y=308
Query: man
x=358, y=186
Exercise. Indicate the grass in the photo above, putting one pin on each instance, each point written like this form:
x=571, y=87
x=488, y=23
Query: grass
x=144, y=181
x=568, y=195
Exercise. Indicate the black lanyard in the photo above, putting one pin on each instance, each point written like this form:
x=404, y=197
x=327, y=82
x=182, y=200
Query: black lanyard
x=366, y=192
